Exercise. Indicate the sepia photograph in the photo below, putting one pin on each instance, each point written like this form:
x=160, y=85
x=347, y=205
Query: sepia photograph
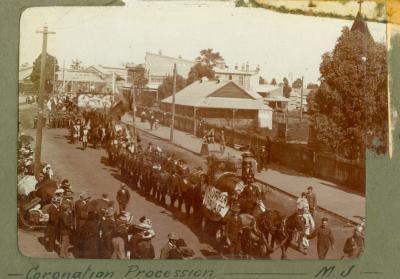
x=198, y=130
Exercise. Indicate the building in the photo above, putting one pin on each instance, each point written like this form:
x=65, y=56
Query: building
x=114, y=77
x=223, y=103
x=159, y=66
x=73, y=81
x=244, y=77
x=25, y=85
x=273, y=96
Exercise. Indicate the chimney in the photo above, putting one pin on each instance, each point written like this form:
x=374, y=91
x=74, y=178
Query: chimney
x=236, y=67
x=242, y=66
x=247, y=66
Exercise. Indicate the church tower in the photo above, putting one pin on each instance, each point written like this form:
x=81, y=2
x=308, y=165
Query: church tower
x=360, y=24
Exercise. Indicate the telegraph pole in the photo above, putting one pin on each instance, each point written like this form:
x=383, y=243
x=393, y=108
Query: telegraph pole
x=40, y=124
x=134, y=108
x=171, y=135
x=301, y=99
x=63, y=84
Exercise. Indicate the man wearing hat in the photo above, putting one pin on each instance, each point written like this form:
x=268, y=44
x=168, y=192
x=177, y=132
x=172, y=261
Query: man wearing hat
x=312, y=200
x=170, y=250
x=354, y=245
x=66, y=227
x=325, y=239
x=81, y=210
x=65, y=185
x=53, y=223
x=123, y=197
x=107, y=226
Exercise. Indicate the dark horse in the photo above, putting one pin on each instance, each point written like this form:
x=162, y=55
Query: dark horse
x=281, y=228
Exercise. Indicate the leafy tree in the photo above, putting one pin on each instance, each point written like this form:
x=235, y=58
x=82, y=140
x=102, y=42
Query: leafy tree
x=51, y=67
x=166, y=88
x=208, y=57
x=297, y=83
x=286, y=88
x=76, y=64
x=198, y=71
x=273, y=81
x=349, y=110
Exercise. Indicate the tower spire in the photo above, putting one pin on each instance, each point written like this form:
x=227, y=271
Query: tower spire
x=360, y=2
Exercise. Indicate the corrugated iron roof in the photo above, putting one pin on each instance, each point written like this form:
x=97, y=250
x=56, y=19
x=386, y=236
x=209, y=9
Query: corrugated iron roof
x=197, y=95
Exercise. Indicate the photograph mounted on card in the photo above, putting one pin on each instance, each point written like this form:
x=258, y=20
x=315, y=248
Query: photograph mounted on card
x=153, y=131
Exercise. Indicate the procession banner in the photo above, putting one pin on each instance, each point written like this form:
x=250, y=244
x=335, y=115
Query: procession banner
x=216, y=201
x=90, y=101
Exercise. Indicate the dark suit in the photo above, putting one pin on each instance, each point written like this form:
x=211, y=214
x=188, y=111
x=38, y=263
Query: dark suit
x=106, y=248
x=89, y=240
x=324, y=240
x=142, y=249
x=81, y=214
x=123, y=197
x=312, y=202
x=53, y=226
x=66, y=225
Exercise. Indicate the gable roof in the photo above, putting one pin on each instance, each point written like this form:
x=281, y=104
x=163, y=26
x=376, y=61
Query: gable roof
x=107, y=70
x=79, y=76
x=24, y=73
x=213, y=94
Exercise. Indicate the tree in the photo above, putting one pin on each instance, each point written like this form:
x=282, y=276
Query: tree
x=297, y=83
x=349, y=109
x=198, y=71
x=76, y=64
x=208, y=57
x=286, y=88
x=166, y=88
x=51, y=67
x=273, y=81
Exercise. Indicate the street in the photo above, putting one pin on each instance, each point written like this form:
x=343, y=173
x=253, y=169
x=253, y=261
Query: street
x=87, y=170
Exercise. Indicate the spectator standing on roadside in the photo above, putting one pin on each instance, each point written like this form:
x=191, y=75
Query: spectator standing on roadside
x=312, y=200
x=222, y=143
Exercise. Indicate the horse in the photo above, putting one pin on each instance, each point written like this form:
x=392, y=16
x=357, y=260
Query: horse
x=279, y=229
x=287, y=228
x=268, y=222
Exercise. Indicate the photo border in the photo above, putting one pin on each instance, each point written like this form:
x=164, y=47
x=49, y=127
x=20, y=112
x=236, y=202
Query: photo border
x=380, y=259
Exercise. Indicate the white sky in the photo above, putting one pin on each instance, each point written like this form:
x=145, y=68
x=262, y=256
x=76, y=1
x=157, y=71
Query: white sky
x=279, y=43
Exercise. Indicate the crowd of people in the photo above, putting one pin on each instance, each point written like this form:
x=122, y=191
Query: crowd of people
x=108, y=232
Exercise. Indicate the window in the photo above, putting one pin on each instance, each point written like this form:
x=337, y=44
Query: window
x=157, y=80
x=230, y=77
x=241, y=80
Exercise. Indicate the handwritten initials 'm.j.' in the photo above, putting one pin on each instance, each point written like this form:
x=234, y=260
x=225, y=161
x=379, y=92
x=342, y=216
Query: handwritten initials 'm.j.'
x=327, y=272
